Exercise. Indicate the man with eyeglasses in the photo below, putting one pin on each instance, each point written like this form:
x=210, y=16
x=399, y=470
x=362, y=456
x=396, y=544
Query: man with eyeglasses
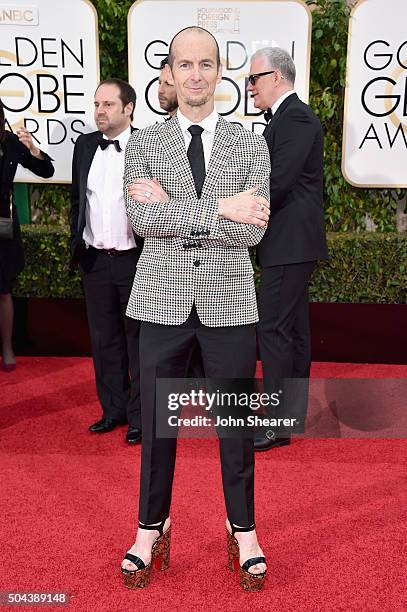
x=295, y=238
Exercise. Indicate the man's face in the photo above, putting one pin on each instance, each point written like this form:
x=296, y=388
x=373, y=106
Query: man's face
x=195, y=72
x=111, y=117
x=167, y=95
x=265, y=91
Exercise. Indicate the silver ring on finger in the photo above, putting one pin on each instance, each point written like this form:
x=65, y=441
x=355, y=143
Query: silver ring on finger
x=147, y=194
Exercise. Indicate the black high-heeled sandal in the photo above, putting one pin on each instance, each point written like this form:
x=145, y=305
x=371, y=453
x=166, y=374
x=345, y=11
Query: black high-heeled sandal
x=248, y=581
x=160, y=557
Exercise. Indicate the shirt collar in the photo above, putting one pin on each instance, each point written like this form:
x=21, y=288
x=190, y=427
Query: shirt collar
x=208, y=124
x=122, y=137
x=281, y=100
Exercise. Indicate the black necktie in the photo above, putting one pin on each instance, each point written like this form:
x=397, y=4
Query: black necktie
x=105, y=143
x=268, y=115
x=196, y=157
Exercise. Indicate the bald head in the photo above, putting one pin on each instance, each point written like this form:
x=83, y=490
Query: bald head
x=190, y=33
x=194, y=69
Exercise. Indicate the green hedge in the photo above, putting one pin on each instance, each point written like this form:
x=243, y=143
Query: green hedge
x=364, y=267
x=46, y=272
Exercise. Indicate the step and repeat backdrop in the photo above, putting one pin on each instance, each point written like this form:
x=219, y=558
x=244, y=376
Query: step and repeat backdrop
x=241, y=28
x=375, y=118
x=49, y=70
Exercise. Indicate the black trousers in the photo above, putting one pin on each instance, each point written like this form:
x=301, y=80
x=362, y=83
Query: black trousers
x=284, y=339
x=107, y=282
x=165, y=350
x=283, y=328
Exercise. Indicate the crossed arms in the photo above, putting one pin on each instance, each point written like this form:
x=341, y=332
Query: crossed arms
x=238, y=220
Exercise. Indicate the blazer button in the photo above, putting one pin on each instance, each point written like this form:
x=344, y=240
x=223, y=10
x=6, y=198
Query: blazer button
x=197, y=262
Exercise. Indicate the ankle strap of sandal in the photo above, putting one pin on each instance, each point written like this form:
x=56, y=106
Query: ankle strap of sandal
x=241, y=529
x=159, y=527
x=253, y=561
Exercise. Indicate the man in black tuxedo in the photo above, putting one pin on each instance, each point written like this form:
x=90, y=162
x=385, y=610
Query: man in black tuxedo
x=295, y=238
x=103, y=243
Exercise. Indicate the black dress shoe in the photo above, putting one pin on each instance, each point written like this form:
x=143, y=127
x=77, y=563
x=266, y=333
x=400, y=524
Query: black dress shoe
x=104, y=425
x=264, y=443
x=133, y=435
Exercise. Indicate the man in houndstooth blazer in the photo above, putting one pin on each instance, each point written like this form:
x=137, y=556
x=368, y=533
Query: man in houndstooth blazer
x=191, y=255
x=194, y=281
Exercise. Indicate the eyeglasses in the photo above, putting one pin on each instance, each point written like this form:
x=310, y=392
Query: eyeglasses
x=253, y=78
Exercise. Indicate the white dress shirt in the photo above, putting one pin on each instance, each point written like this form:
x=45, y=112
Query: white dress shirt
x=107, y=225
x=281, y=100
x=208, y=124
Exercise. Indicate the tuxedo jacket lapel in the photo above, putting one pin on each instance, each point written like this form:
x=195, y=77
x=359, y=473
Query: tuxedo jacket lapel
x=282, y=108
x=86, y=158
x=270, y=128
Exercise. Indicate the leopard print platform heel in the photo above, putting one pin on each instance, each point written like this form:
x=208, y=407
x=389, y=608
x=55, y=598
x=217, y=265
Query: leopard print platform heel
x=248, y=581
x=160, y=558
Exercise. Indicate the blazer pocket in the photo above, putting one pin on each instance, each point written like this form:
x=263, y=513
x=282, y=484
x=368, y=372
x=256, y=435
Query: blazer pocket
x=238, y=266
x=151, y=266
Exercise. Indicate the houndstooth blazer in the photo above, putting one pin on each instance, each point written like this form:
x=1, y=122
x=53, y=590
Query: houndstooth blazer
x=190, y=255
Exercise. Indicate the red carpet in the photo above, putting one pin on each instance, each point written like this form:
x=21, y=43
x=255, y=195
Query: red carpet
x=329, y=512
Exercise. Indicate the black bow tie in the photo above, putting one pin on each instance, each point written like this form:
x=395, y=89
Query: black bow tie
x=268, y=115
x=105, y=143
